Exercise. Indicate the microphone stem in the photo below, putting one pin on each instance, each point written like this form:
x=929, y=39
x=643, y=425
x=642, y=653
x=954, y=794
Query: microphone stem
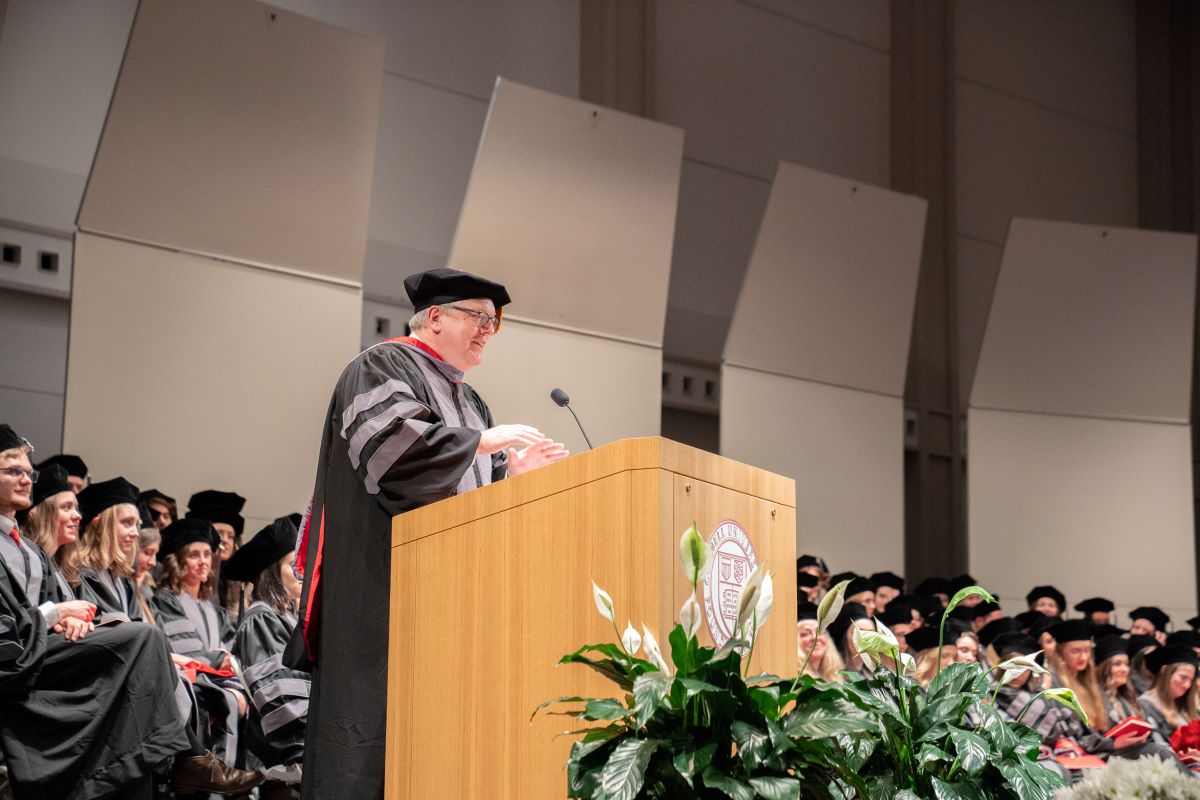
x=581, y=430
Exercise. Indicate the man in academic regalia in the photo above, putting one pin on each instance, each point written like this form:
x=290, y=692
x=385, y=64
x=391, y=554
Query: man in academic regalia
x=402, y=431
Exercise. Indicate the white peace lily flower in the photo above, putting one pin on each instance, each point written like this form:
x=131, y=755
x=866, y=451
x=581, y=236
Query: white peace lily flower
x=831, y=606
x=690, y=616
x=864, y=646
x=886, y=633
x=1015, y=667
x=907, y=663
x=749, y=600
x=695, y=555
x=604, y=603
x=766, y=598
x=653, y=654
x=630, y=639
x=1068, y=699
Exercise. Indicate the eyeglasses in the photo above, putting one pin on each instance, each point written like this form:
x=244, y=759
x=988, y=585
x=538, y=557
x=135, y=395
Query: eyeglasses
x=20, y=472
x=483, y=320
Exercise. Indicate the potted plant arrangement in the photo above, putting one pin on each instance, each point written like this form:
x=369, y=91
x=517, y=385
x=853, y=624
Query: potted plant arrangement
x=699, y=724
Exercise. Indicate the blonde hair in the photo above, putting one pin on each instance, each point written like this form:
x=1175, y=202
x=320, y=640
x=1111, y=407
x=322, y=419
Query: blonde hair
x=1084, y=683
x=41, y=524
x=831, y=662
x=99, y=547
x=1178, y=711
x=927, y=662
x=15, y=453
x=174, y=570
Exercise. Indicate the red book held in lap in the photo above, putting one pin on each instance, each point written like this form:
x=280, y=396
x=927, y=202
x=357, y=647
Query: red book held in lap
x=1135, y=725
x=1072, y=756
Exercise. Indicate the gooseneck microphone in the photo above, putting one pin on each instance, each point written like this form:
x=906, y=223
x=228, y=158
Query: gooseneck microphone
x=560, y=399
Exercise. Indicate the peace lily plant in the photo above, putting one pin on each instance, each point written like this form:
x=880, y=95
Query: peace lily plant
x=700, y=725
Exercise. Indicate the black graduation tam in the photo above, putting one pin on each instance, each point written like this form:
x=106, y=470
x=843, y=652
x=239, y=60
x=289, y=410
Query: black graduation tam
x=1007, y=645
x=181, y=533
x=1071, y=630
x=50, y=482
x=807, y=560
x=9, y=438
x=896, y=614
x=216, y=506
x=1030, y=617
x=961, y=582
x=1109, y=646
x=155, y=496
x=983, y=609
x=890, y=579
x=1038, y=592
x=804, y=610
x=72, y=464
x=1194, y=622
x=997, y=627
x=1138, y=643
x=931, y=586
x=1040, y=626
x=956, y=628
x=924, y=639
x=834, y=580
x=1162, y=656
x=1094, y=604
x=1101, y=630
x=443, y=285
x=105, y=494
x=963, y=613
x=806, y=580
x=1183, y=639
x=266, y=548
x=859, y=585
x=146, y=519
x=1152, y=613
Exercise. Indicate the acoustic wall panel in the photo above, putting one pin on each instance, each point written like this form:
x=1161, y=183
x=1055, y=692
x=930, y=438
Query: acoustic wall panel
x=843, y=447
x=1090, y=321
x=832, y=281
x=572, y=206
x=241, y=131
x=186, y=373
x=1094, y=506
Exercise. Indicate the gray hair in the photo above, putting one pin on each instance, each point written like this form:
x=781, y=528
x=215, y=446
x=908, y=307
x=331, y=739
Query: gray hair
x=420, y=320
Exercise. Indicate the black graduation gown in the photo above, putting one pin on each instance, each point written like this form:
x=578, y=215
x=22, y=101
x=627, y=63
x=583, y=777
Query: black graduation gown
x=278, y=696
x=82, y=719
x=111, y=595
x=400, y=433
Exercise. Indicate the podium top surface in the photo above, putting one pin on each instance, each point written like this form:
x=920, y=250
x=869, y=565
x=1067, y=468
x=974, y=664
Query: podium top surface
x=652, y=452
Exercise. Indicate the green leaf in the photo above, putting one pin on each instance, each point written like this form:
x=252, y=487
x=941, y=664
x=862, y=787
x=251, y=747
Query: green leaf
x=564, y=699
x=963, y=594
x=695, y=556
x=728, y=786
x=690, y=761
x=1002, y=733
x=954, y=679
x=695, y=687
x=931, y=753
x=819, y=721
x=582, y=782
x=604, y=735
x=605, y=709
x=1030, y=781
x=775, y=788
x=766, y=699
x=619, y=667
x=959, y=790
x=625, y=772
x=649, y=691
x=882, y=788
x=753, y=744
x=972, y=750
x=858, y=749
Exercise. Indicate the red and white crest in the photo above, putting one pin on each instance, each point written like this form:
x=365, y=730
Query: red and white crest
x=733, y=562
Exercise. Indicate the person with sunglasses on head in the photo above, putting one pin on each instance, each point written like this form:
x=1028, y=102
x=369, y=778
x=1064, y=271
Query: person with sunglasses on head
x=403, y=430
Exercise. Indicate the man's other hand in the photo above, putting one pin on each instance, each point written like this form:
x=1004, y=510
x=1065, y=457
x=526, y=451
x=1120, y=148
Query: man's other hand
x=493, y=440
x=534, y=456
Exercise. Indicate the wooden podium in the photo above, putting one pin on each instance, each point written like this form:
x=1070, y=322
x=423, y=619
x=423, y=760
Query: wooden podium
x=491, y=588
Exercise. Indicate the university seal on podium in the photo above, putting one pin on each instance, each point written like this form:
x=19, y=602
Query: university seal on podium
x=733, y=562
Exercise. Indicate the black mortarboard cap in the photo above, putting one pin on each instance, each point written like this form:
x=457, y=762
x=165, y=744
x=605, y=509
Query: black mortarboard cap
x=834, y=580
x=1071, y=630
x=1194, y=622
x=105, y=494
x=50, y=482
x=266, y=548
x=72, y=464
x=806, y=579
x=443, y=285
x=888, y=579
x=9, y=438
x=1162, y=656
x=1013, y=642
x=896, y=614
x=217, y=506
x=931, y=586
x=961, y=582
x=807, y=560
x=963, y=613
x=1183, y=639
x=806, y=610
x=1109, y=646
x=983, y=609
x=989, y=632
x=1105, y=629
x=1094, y=604
x=1040, y=626
x=1155, y=615
x=1027, y=618
x=1047, y=591
x=155, y=496
x=1137, y=643
x=923, y=639
x=858, y=585
x=145, y=518
x=181, y=533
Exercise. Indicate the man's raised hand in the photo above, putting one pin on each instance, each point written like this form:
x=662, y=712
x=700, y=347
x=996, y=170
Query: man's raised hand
x=501, y=437
x=534, y=456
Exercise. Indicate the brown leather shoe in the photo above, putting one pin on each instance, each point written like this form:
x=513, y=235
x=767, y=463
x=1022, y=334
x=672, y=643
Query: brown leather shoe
x=207, y=773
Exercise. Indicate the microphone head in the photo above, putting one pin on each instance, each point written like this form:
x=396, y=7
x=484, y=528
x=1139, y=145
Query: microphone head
x=559, y=397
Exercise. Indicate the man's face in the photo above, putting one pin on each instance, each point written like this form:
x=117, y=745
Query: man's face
x=456, y=332
x=228, y=540
x=15, y=489
x=1142, y=627
x=76, y=483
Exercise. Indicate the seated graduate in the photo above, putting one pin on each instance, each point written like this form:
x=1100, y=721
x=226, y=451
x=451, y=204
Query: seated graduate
x=197, y=630
x=1171, y=700
x=162, y=507
x=1047, y=600
x=67, y=726
x=1149, y=621
x=224, y=511
x=1014, y=696
x=825, y=662
x=923, y=646
x=103, y=557
x=149, y=542
x=888, y=586
x=278, y=716
x=1112, y=672
x=52, y=523
x=1096, y=610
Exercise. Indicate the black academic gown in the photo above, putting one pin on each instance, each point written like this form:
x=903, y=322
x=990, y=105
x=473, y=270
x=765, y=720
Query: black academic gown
x=110, y=595
x=278, y=695
x=400, y=433
x=84, y=719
